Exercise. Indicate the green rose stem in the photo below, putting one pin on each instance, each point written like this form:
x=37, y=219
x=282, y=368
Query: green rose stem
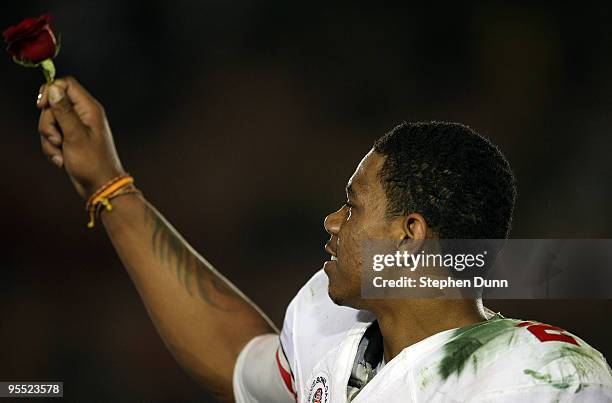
x=46, y=65
x=48, y=69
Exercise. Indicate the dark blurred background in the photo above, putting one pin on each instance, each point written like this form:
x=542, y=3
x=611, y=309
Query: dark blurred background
x=242, y=121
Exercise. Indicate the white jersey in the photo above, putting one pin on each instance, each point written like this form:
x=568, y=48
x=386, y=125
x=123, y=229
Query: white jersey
x=500, y=360
x=313, y=326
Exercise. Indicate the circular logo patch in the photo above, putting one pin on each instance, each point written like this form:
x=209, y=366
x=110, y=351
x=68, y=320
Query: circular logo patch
x=319, y=389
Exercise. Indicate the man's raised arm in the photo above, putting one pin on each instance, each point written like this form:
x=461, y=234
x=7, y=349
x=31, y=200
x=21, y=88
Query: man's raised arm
x=202, y=317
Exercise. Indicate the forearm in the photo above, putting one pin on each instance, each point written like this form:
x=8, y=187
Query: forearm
x=203, y=319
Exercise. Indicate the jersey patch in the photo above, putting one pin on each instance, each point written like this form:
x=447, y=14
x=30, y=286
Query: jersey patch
x=319, y=389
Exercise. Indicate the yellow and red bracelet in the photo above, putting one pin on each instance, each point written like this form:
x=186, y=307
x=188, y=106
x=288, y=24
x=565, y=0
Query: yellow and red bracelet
x=115, y=187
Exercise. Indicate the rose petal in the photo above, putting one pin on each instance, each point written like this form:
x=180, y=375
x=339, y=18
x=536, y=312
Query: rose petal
x=35, y=49
x=27, y=27
x=32, y=40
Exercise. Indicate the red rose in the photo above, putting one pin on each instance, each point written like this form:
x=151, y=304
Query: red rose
x=32, y=40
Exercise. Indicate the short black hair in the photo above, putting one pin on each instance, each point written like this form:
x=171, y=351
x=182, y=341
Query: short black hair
x=457, y=179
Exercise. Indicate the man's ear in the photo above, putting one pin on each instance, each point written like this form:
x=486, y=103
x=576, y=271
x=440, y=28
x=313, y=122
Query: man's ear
x=414, y=231
x=415, y=226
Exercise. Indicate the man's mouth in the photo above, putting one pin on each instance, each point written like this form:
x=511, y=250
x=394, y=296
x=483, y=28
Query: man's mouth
x=333, y=260
x=329, y=250
x=330, y=265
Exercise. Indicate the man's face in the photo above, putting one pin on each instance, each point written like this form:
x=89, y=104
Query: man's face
x=362, y=218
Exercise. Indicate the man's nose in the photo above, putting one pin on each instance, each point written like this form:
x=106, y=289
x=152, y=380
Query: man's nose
x=333, y=222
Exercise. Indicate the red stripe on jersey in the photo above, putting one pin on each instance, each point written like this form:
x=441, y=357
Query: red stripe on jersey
x=286, y=376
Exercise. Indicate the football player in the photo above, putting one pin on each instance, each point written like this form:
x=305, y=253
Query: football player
x=420, y=181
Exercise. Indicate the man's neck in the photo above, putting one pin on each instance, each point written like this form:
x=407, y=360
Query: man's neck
x=404, y=323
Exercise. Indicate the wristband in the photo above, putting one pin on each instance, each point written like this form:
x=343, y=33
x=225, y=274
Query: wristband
x=117, y=186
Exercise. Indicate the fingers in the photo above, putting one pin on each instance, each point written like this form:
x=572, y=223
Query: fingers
x=42, y=99
x=53, y=153
x=47, y=127
x=85, y=106
x=64, y=112
x=50, y=138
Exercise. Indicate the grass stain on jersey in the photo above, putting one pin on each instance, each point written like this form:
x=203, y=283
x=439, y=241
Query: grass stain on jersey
x=546, y=378
x=467, y=340
x=466, y=346
x=425, y=377
x=583, y=361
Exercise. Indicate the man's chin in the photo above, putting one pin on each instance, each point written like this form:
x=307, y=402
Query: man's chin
x=341, y=299
x=336, y=299
x=344, y=300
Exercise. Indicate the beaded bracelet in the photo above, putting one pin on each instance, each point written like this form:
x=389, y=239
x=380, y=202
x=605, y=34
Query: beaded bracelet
x=123, y=191
x=101, y=197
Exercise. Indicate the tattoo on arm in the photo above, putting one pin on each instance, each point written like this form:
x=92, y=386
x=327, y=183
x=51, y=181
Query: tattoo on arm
x=193, y=272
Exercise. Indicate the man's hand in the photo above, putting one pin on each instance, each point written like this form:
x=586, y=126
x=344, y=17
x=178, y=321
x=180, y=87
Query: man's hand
x=75, y=134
